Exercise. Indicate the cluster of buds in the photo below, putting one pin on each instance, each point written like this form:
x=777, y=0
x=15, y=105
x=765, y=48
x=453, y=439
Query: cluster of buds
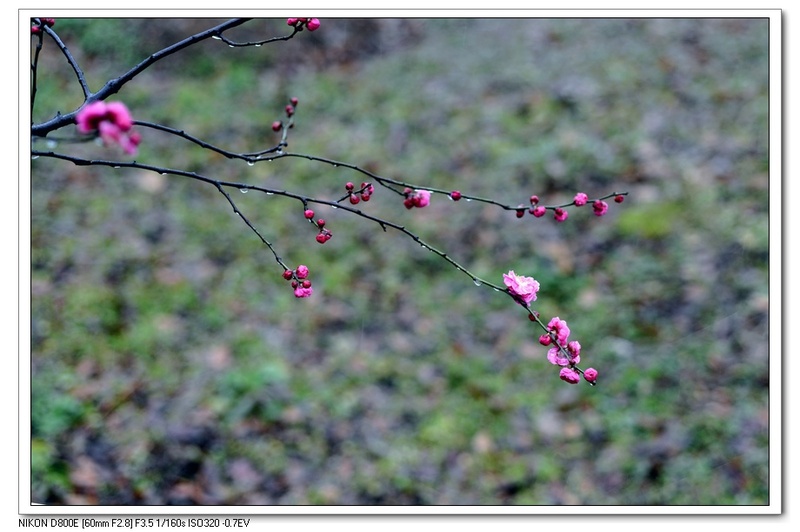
x=36, y=28
x=324, y=234
x=364, y=193
x=112, y=121
x=564, y=353
x=560, y=214
x=300, y=22
x=418, y=198
x=277, y=125
x=300, y=282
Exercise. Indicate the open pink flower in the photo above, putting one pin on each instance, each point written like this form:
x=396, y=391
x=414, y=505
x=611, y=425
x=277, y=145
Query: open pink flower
x=524, y=288
x=561, y=329
x=112, y=121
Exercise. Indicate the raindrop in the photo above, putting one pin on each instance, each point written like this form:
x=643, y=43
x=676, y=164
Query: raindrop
x=34, y=156
x=476, y=282
x=468, y=199
x=243, y=190
x=334, y=206
x=230, y=46
x=51, y=143
x=270, y=193
x=250, y=163
x=217, y=37
x=258, y=45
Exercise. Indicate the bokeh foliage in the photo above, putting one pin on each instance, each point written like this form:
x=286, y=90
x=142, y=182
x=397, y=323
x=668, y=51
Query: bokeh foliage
x=172, y=365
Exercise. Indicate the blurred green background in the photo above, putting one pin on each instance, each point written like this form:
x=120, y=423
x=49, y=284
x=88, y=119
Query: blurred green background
x=171, y=363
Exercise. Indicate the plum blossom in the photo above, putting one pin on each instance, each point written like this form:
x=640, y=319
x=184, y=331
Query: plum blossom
x=600, y=207
x=560, y=328
x=524, y=288
x=590, y=375
x=113, y=123
x=302, y=291
x=417, y=198
x=569, y=375
x=580, y=199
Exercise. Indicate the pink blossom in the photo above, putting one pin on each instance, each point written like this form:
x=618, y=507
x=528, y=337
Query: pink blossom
x=113, y=123
x=118, y=114
x=538, y=211
x=574, y=349
x=561, y=329
x=590, y=375
x=302, y=271
x=581, y=199
x=90, y=116
x=422, y=198
x=560, y=214
x=524, y=288
x=600, y=207
x=557, y=357
x=569, y=375
x=313, y=24
x=302, y=291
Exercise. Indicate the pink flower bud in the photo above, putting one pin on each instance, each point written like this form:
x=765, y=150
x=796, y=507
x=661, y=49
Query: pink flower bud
x=569, y=375
x=520, y=213
x=455, y=195
x=313, y=24
x=560, y=214
x=423, y=198
x=534, y=199
x=354, y=199
x=321, y=223
x=349, y=186
x=580, y=199
x=277, y=126
x=302, y=271
x=306, y=284
x=590, y=375
x=545, y=339
x=36, y=30
x=289, y=110
x=302, y=291
x=292, y=21
x=294, y=101
x=539, y=211
x=321, y=238
x=287, y=274
x=309, y=214
x=600, y=207
x=619, y=198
